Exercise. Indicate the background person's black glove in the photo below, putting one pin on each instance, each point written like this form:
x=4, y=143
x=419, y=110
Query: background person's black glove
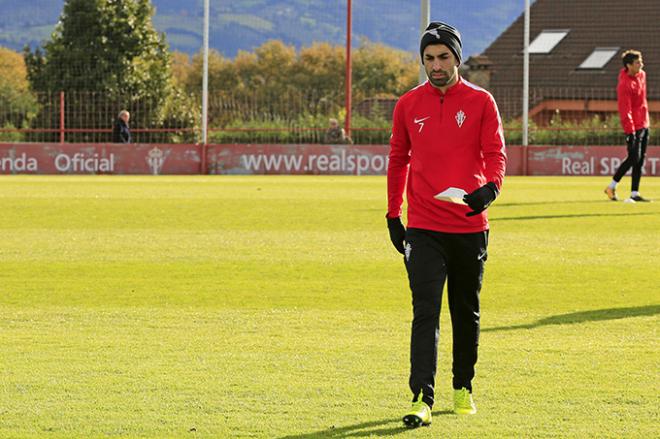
x=480, y=199
x=397, y=233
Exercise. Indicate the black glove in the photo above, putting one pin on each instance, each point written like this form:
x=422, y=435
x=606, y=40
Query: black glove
x=397, y=233
x=480, y=199
x=630, y=140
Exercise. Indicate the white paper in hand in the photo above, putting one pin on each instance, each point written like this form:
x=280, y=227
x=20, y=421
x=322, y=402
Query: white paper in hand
x=451, y=195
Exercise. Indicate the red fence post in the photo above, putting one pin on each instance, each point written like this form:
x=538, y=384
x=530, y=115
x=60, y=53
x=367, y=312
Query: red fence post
x=203, y=163
x=349, y=68
x=61, y=116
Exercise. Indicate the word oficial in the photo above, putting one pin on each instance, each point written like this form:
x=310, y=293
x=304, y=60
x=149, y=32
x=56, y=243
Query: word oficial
x=78, y=162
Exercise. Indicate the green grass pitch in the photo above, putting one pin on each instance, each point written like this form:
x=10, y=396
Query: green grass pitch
x=275, y=307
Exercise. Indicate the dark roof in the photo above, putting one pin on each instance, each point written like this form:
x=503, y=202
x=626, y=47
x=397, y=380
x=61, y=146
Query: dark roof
x=627, y=24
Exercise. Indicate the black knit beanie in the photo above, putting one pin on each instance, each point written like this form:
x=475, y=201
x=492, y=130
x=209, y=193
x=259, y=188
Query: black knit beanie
x=441, y=33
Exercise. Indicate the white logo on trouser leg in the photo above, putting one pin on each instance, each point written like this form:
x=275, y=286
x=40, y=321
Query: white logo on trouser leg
x=408, y=249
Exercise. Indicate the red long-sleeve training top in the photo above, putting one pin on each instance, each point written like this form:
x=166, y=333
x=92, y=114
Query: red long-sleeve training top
x=631, y=99
x=440, y=141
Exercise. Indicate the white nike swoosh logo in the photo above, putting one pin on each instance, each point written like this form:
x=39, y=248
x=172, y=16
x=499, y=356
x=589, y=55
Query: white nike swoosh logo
x=421, y=120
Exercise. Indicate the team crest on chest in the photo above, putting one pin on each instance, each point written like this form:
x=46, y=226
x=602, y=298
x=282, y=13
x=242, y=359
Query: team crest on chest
x=460, y=118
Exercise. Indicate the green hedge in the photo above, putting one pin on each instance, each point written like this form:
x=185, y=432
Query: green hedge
x=304, y=129
x=11, y=136
x=311, y=129
x=587, y=132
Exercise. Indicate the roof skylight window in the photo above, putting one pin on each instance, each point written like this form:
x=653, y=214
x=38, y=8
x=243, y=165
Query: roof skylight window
x=599, y=57
x=547, y=40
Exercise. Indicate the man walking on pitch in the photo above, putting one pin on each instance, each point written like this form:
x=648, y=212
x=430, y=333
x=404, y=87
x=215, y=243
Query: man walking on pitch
x=447, y=148
x=634, y=114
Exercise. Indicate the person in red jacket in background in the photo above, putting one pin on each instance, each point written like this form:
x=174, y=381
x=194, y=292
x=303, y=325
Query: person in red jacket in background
x=634, y=114
x=446, y=137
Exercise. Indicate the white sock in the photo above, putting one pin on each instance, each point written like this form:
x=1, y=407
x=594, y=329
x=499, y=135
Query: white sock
x=612, y=185
x=634, y=194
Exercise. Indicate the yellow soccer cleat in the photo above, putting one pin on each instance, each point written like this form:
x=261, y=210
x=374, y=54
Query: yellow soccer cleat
x=463, y=404
x=419, y=414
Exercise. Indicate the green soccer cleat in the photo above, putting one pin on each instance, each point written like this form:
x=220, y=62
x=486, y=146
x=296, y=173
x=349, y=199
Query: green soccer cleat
x=419, y=414
x=463, y=404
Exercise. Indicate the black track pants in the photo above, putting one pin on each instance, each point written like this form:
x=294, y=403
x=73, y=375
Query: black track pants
x=431, y=257
x=635, y=158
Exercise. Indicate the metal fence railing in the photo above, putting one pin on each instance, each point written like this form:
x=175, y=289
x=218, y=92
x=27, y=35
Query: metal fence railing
x=558, y=116
x=299, y=59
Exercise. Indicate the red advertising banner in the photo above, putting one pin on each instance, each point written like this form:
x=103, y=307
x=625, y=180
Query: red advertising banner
x=576, y=160
x=75, y=158
x=298, y=159
x=99, y=158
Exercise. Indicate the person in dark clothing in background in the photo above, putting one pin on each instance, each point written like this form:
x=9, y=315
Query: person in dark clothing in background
x=121, y=132
x=336, y=134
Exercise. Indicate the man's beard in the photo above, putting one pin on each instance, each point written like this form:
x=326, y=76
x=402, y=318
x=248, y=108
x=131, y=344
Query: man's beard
x=440, y=82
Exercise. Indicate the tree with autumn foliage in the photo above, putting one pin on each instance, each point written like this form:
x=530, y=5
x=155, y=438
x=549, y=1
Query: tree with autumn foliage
x=17, y=104
x=276, y=68
x=275, y=82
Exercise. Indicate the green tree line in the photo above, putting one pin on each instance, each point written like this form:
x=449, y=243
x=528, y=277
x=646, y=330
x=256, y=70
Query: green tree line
x=105, y=55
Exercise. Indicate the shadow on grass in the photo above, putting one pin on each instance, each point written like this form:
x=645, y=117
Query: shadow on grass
x=572, y=215
x=364, y=429
x=585, y=316
x=545, y=203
